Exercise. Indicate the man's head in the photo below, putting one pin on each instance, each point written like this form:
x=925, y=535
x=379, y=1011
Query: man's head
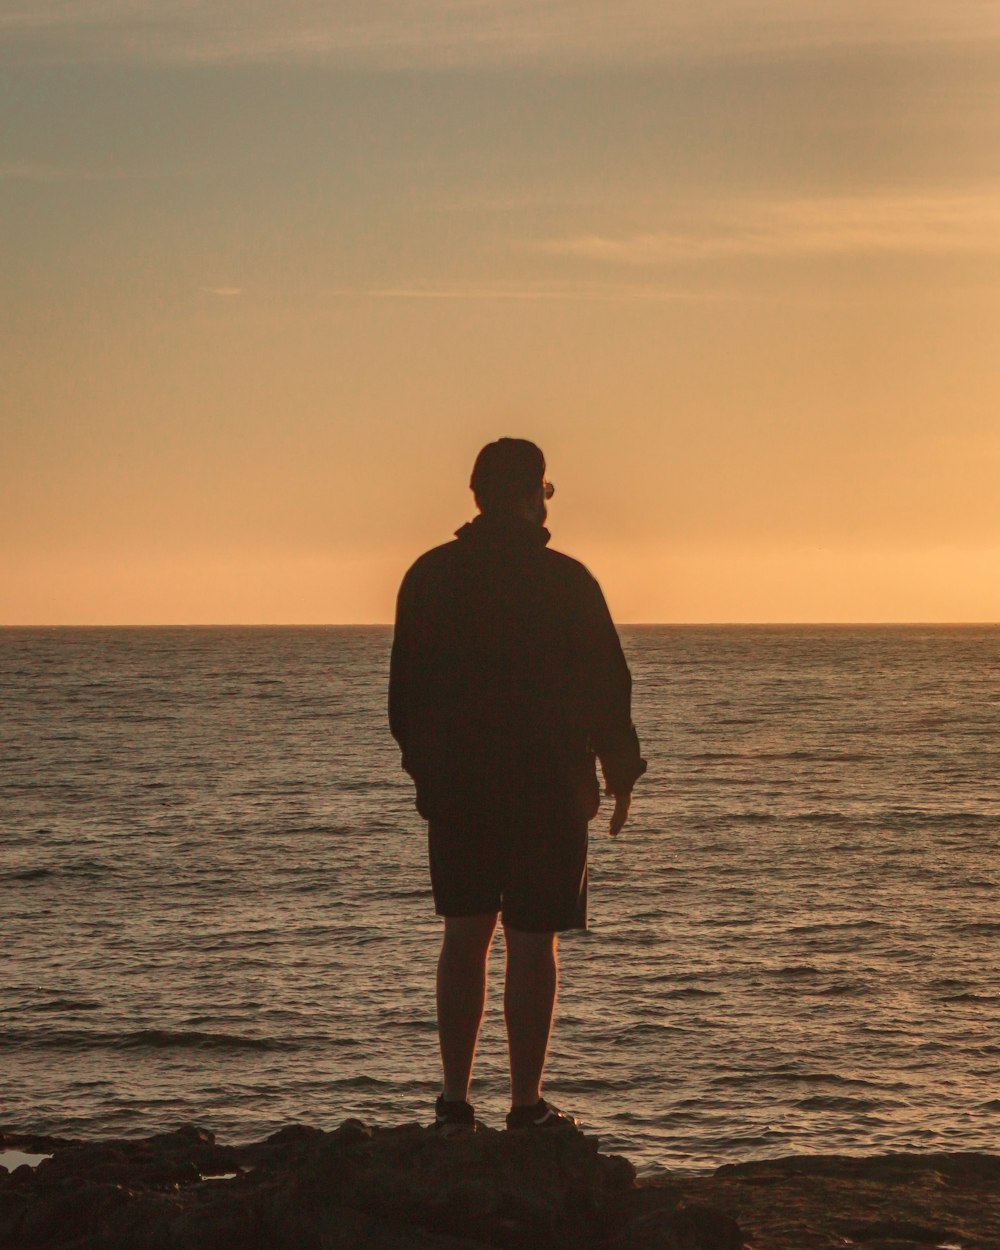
x=509, y=478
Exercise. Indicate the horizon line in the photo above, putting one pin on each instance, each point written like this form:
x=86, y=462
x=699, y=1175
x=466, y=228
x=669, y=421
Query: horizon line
x=718, y=624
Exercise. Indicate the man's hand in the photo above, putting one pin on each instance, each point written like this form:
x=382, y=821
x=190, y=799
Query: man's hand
x=619, y=816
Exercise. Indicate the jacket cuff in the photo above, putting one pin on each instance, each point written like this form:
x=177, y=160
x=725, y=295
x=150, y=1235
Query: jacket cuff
x=621, y=775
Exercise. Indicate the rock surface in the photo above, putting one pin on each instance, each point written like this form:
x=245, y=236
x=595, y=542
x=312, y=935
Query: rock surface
x=885, y=1202
x=406, y=1188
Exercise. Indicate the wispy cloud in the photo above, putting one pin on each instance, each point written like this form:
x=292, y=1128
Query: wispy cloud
x=528, y=292
x=224, y=291
x=465, y=32
x=930, y=224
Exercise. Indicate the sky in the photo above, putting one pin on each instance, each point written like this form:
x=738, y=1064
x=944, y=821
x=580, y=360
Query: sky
x=270, y=275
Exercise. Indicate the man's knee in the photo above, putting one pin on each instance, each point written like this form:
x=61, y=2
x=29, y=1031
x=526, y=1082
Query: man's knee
x=468, y=937
x=524, y=947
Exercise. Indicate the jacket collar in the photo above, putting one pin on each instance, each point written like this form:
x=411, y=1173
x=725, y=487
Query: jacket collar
x=503, y=531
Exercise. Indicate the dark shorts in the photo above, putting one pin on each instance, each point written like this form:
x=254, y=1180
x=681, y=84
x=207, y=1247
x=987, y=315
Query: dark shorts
x=533, y=872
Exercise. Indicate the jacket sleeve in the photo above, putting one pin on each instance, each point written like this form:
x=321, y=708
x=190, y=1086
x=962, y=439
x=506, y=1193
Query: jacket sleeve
x=612, y=733
x=404, y=667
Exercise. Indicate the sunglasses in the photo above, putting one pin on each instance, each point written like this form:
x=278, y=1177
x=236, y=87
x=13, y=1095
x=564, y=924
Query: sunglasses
x=548, y=490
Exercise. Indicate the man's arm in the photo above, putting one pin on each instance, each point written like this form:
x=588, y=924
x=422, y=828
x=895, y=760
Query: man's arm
x=613, y=734
x=402, y=667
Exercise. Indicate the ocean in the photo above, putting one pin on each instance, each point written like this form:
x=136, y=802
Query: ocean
x=215, y=902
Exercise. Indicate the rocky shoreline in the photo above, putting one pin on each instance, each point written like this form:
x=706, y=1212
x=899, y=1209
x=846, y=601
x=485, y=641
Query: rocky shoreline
x=407, y=1189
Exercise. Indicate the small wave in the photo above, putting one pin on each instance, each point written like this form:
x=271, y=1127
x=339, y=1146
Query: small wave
x=727, y=922
x=969, y=997
x=67, y=1004
x=793, y=1078
x=978, y=928
x=600, y=1085
x=294, y=831
x=823, y=757
x=363, y=1082
x=923, y=819
x=407, y=1026
x=648, y=1028
x=740, y=1143
x=146, y=718
x=163, y=1038
x=692, y=991
x=153, y=1039
x=81, y=868
x=837, y=926
x=660, y=978
x=835, y=1102
x=842, y=988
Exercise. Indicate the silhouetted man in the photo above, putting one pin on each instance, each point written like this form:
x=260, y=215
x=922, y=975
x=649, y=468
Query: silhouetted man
x=507, y=679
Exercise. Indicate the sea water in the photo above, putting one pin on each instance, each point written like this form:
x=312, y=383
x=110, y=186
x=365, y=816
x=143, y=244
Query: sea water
x=215, y=901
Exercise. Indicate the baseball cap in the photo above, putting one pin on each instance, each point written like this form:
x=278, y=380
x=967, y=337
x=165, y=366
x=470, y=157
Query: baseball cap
x=506, y=469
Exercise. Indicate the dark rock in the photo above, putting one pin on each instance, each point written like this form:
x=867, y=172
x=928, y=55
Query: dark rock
x=12, y=1207
x=962, y=1167
x=656, y=1216
x=297, y=1134
x=877, y=1202
x=224, y=1222
x=893, y=1244
x=407, y=1189
x=144, y=1220
x=681, y=1228
x=181, y=1138
x=507, y=1190
x=353, y=1130
x=31, y=1143
x=339, y=1228
x=62, y=1214
x=118, y=1165
x=892, y=1230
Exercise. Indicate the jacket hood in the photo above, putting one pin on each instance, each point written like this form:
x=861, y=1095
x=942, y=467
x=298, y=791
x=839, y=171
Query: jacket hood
x=503, y=531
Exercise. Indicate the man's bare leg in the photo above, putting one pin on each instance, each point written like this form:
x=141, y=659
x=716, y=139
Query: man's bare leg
x=461, y=997
x=528, y=1002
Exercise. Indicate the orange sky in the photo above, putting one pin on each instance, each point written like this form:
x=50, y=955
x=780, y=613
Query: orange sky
x=269, y=284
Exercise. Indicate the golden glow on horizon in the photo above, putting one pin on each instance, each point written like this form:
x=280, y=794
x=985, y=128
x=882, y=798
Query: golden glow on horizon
x=672, y=586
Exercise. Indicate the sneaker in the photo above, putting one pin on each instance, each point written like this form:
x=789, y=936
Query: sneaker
x=454, y=1119
x=542, y=1117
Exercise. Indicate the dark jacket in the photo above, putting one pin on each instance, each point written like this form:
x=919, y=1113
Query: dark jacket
x=507, y=678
